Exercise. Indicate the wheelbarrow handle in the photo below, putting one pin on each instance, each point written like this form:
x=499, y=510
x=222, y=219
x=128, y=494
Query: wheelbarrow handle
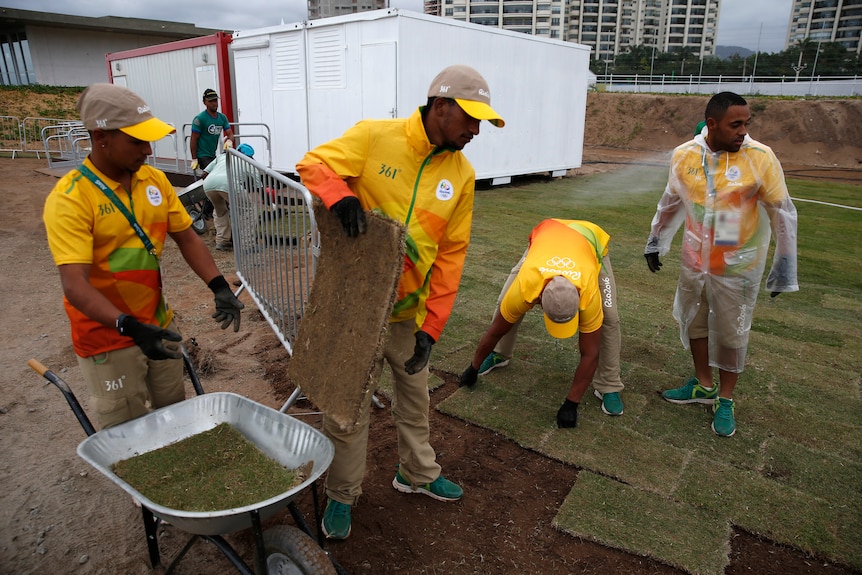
x=39, y=368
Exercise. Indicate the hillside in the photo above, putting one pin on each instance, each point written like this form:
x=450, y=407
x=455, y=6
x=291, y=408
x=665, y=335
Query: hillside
x=817, y=132
x=725, y=52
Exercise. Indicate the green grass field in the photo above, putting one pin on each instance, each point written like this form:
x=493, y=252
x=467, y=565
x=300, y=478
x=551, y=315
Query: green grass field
x=657, y=481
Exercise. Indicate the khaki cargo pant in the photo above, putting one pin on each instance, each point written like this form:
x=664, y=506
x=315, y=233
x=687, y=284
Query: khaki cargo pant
x=221, y=216
x=410, y=404
x=125, y=383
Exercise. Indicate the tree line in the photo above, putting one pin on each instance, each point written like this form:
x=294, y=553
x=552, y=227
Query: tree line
x=806, y=58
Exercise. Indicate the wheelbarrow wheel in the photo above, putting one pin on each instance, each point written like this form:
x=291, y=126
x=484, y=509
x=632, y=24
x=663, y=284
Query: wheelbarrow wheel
x=199, y=223
x=289, y=551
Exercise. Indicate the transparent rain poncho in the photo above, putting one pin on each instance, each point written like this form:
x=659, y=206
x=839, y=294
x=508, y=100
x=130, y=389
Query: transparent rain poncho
x=731, y=203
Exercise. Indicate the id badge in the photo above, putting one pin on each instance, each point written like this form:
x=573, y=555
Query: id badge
x=727, y=227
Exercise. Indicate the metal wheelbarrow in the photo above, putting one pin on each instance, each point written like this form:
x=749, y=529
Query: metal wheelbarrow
x=282, y=549
x=197, y=205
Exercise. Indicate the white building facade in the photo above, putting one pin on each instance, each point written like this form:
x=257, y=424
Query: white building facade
x=609, y=27
x=826, y=21
x=328, y=8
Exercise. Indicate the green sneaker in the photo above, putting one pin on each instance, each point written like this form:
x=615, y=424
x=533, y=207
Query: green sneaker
x=723, y=423
x=336, y=520
x=691, y=392
x=612, y=403
x=493, y=361
x=440, y=489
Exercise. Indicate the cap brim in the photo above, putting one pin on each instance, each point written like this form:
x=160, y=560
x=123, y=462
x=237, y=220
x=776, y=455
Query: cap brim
x=481, y=111
x=561, y=330
x=149, y=130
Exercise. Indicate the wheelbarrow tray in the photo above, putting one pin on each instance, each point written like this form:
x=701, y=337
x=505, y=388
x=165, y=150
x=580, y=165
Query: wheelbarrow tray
x=282, y=437
x=192, y=194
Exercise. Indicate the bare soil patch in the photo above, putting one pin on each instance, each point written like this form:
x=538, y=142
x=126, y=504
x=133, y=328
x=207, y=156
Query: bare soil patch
x=61, y=516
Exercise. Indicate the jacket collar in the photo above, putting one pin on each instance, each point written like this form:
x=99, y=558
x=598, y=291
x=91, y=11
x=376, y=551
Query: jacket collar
x=416, y=135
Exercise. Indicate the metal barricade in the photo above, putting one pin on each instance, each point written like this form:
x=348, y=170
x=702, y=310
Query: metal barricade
x=247, y=133
x=79, y=141
x=11, y=136
x=65, y=144
x=167, y=161
x=276, y=243
x=253, y=134
x=31, y=132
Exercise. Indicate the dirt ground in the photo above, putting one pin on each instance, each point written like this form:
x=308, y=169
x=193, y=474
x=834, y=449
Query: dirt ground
x=62, y=516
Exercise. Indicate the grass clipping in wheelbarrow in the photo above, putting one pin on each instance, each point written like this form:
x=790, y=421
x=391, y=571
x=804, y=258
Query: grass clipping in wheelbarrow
x=211, y=471
x=340, y=338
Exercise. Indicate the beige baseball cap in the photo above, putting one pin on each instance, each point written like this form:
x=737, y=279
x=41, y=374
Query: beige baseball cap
x=467, y=87
x=560, y=300
x=112, y=107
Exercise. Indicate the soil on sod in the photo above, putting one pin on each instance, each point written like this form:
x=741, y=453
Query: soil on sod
x=214, y=470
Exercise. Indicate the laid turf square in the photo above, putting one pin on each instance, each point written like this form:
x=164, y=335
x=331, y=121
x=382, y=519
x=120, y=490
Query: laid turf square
x=791, y=473
x=645, y=523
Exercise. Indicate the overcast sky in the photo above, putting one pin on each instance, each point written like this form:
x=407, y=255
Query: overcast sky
x=745, y=23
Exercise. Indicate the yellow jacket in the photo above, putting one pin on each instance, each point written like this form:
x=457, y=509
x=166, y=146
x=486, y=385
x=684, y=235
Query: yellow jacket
x=570, y=248
x=392, y=167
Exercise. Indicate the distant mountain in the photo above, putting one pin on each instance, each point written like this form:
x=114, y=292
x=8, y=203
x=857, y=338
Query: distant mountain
x=725, y=52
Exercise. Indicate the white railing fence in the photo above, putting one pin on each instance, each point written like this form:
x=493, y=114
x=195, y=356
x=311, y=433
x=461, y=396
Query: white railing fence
x=800, y=86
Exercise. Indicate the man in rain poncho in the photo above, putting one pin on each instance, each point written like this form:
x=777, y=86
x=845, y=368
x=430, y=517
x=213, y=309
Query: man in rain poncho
x=730, y=190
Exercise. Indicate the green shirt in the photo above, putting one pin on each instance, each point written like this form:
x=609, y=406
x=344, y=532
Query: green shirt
x=210, y=129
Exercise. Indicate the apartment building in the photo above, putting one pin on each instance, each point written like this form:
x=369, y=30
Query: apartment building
x=327, y=8
x=826, y=21
x=607, y=26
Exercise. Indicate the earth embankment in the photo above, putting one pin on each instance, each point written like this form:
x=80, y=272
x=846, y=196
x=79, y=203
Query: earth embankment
x=818, y=132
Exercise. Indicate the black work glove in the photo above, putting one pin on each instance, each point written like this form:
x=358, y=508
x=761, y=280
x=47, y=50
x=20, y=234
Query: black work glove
x=468, y=376
x=349, y=211
x=653, y=262
x=149, y=337
x=567, y=416
x=227, y=305
x=421, y=353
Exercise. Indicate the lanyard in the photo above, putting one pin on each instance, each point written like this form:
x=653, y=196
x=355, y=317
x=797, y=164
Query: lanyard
x=120, y=206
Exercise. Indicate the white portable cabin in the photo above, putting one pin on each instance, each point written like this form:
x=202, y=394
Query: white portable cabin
x=171, y=78
x=311, y=81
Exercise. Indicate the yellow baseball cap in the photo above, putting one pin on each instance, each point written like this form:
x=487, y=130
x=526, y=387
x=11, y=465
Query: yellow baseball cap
x=560, y=300
x=112, y=107
x=467, y=87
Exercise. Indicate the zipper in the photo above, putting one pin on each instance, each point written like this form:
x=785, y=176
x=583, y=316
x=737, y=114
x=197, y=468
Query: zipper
x=425, y=162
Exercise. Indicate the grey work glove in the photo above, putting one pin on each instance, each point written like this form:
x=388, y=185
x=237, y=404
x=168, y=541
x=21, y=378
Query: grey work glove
x=149, y=337
x=349, y=211
x=421, y=353
x=468, y=376
x=227, y=305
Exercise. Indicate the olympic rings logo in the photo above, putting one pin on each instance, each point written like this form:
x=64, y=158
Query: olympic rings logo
x=562, y=263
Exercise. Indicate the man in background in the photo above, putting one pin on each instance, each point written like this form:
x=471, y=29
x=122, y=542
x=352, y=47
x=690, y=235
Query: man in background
x=216, y=189
x=207, y=128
